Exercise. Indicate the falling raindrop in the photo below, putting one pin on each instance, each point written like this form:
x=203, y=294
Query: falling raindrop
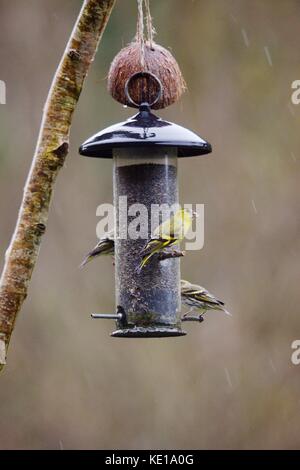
x=254, y=206
x=268, y=55
x=233, y=17
x=245, y=37
x=228, y=377
x=272, y=365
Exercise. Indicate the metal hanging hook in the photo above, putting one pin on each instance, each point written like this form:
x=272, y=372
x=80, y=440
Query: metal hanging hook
x=137, y=75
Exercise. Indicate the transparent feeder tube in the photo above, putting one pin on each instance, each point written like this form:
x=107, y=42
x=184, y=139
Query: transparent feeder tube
x=151, y=297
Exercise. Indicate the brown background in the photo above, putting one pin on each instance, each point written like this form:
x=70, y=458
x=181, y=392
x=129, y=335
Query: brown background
x=230, y=383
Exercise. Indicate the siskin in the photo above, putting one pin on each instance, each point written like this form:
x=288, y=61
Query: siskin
x=105, y=246
x=169, y=233
x=176, y=226
x=199, y=298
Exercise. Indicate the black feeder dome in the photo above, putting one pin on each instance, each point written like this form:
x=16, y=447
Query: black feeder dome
x=145, y=130
x=145, y=150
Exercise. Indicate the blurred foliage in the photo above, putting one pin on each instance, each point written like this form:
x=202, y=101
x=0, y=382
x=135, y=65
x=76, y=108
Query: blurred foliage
x=229, y=383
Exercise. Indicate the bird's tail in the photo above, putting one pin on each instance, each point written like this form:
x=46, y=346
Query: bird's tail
x=86, y=260
x=143, y=263
x=226, y=311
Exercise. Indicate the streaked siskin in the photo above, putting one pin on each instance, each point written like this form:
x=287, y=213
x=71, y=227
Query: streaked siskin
x=198, y=298
x=105, y=246
x=169, y=233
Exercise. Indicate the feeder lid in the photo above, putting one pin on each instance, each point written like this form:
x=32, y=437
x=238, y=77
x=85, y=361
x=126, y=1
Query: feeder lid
x=144, y=130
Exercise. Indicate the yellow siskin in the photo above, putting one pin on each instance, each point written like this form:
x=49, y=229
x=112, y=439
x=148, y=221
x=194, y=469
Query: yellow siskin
x=199, y=299
x=105, y=246
x=155, y=245
x=169, y=233
x=176, y=226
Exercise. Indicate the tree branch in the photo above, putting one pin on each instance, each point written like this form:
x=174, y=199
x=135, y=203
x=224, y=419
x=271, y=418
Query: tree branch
x=51, y=151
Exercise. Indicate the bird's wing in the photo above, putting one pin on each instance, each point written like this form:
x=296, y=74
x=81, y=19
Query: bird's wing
x=154, y=244
x=103, y=247
x=205, y=296
x=201, y=294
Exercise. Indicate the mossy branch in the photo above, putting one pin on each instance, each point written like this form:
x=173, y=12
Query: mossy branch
x=50, y=154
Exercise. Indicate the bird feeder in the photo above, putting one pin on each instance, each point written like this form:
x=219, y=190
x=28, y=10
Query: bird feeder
x=145, y=150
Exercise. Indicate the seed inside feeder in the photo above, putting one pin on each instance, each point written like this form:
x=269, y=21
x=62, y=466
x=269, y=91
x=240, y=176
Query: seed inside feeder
x=148, y=177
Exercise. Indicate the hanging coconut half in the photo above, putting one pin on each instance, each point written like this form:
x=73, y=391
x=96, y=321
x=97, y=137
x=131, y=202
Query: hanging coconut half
x=158, y=61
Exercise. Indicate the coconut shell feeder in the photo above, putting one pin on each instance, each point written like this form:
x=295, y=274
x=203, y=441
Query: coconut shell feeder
x=157, y=60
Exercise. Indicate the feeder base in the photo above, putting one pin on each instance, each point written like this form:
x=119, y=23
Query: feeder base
x=142, y=332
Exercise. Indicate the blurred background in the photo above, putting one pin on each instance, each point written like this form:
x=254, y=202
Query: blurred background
x=230, y=383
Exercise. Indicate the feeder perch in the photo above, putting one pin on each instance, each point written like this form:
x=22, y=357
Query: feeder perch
x=144, y=150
